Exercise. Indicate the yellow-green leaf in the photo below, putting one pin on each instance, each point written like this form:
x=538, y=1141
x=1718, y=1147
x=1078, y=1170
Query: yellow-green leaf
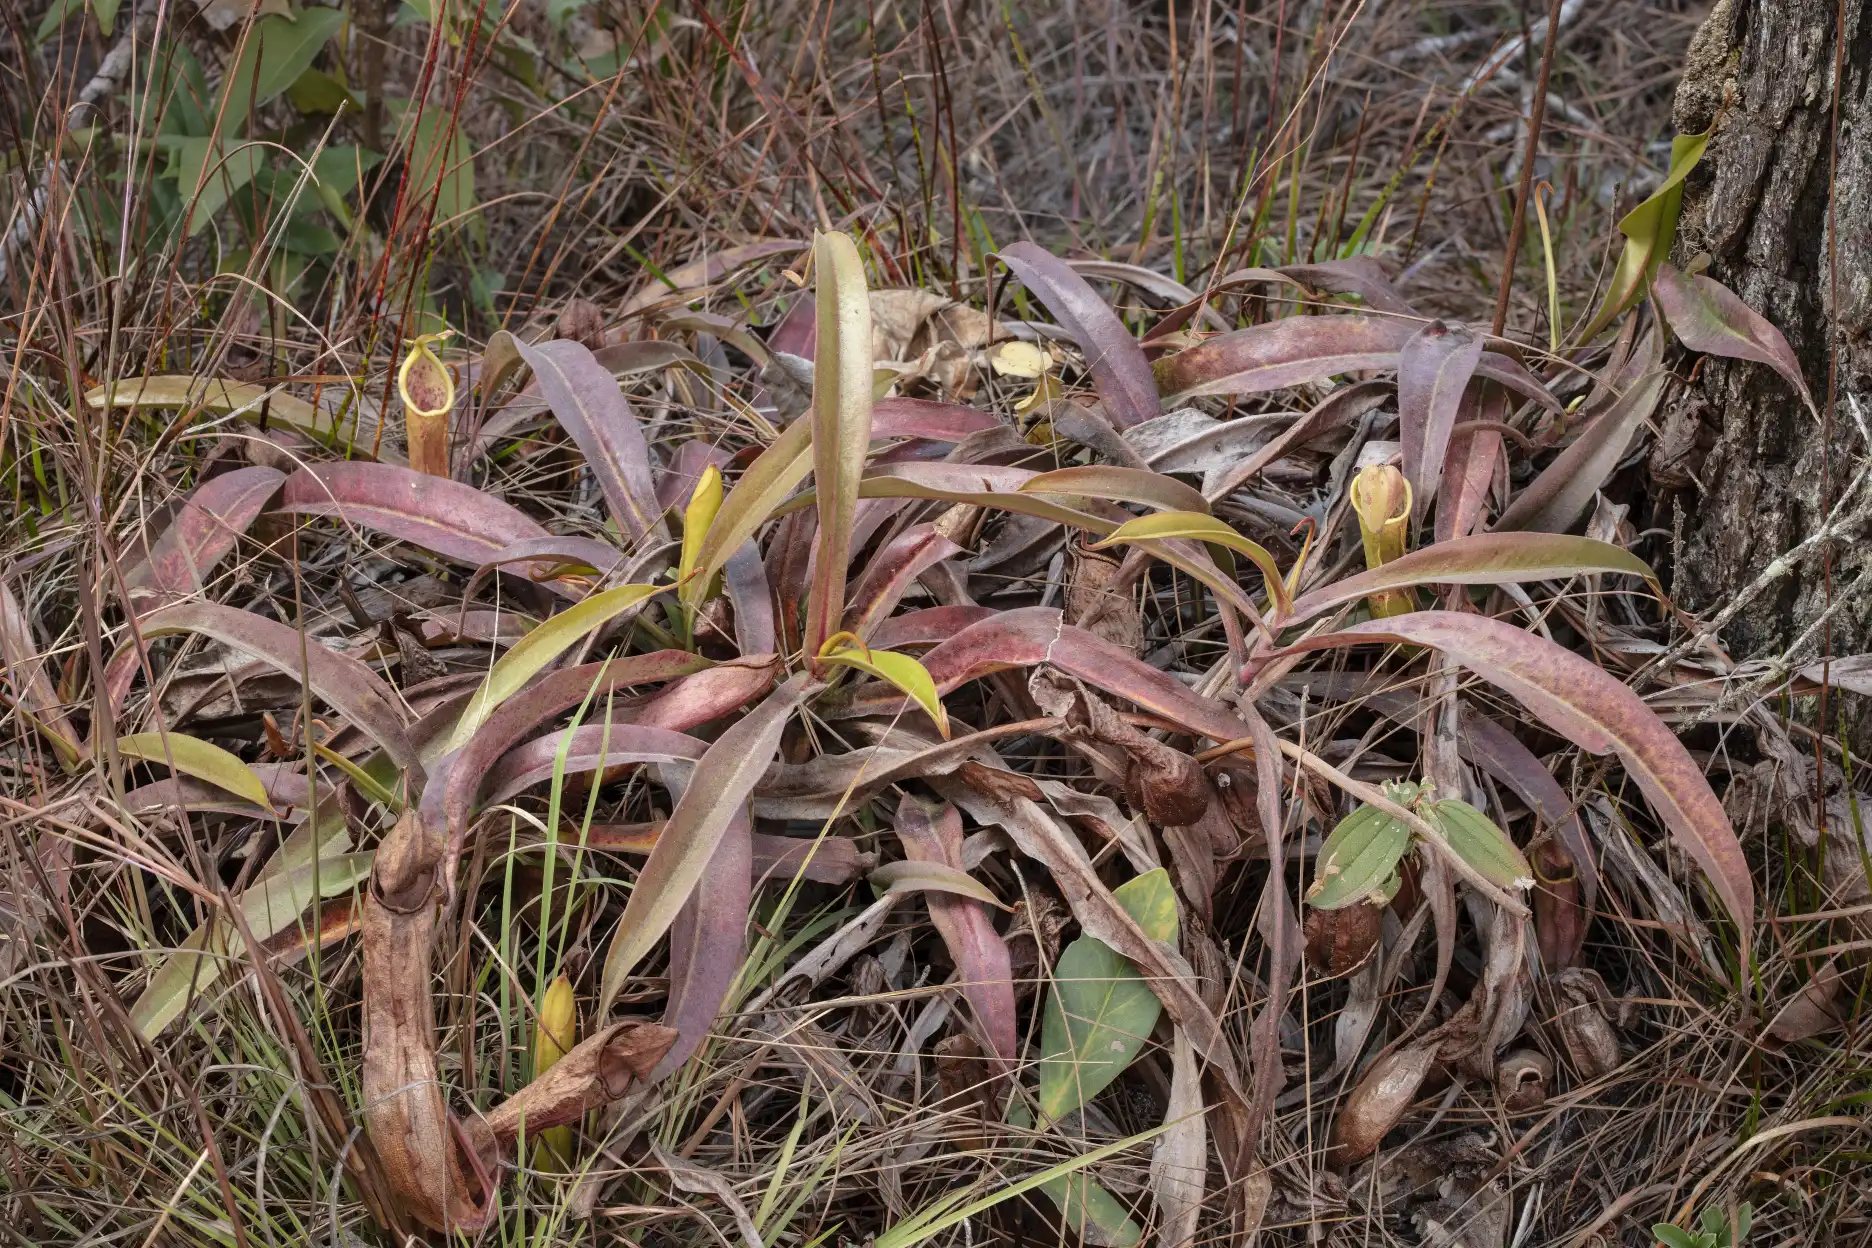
x=538, y=648
x=1649, y=231
x=912, y=876
x=1357, y=859
x=1474, y=837
x=901, y=670
x=704, y=502
x=1204, y=528
x=194, y=757
x=841, y=420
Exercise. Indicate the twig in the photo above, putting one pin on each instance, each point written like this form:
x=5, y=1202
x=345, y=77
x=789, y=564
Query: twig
x=1537, y=113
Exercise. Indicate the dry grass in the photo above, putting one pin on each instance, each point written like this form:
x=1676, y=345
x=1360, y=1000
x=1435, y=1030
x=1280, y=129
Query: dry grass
x=1188, y=140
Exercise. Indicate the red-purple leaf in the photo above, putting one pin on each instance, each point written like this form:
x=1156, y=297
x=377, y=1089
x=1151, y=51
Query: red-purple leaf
x=678, y=481
x=823, y=860
x=967, y=928
x=1501, y=754
x=1282, y=353
x=1587, y=706
x=929, y=420
x=708, y=945
x=1484, y=559
x=891, y=572
x=591, y=747
x=345, y=683
x=1117, y=363
x=1031, y=635
x=589, y=403
x=744, y=581
x=717, y=794
x=453, y=520
x=1555, y=499
x=203, y=531
x=1708, y=317
x=1434, y=368
x=706, y=696
x=927, y=627
x=1355, y=275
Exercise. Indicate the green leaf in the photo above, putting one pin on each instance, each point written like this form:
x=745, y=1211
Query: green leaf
x=316, y=91
x=1473, y=837
x=1649, y=231
x=210, y=174
x=841, y=423
x=1101, y=1010
x=441, y=164
x=1672, y=1237
x=310, y=866
x=1207, y=529
x=194, y=757
x=277, y=51
x=1087, y=1208
x=901, y=670
x=1357, y=859
x=541, y=646
x=762, y=488
x=954, y=1208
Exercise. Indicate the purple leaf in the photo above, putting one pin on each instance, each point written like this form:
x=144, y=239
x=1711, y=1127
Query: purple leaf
x=1555, y=499
x=1434, y=369
x=1356, y=275
x=1708, y=317
x=967, y=928
x=1282, y=353
x=589, y=403
x=1117, y=363
x=708, y=945
x=453, y=520
x=203, y=531
x=345, y=683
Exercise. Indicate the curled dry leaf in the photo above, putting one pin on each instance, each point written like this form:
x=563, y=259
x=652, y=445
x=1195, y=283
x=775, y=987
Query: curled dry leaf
x=1522, y=1080
x=1383, y=1094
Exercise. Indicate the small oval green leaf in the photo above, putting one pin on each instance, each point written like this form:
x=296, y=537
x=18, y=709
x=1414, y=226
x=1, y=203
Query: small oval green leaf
x=1358, y=859
x=1474, y=838
x=1101, y=1010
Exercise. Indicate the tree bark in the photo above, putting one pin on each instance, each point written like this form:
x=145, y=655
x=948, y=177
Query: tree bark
x=1760, y=77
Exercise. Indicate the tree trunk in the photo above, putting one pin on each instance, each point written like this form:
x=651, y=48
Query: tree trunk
x=1761, y=77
